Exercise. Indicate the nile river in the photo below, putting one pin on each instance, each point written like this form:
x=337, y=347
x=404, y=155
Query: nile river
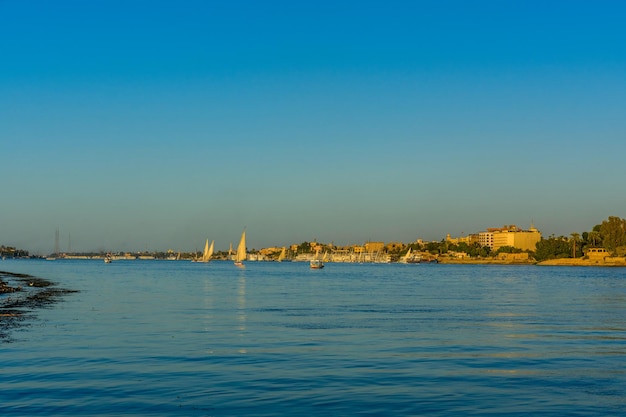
x=173, y=338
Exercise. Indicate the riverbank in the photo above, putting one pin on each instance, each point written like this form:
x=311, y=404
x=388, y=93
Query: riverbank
x=20, y=294
x=453, y=261
x=585, y=262
x=603, y=262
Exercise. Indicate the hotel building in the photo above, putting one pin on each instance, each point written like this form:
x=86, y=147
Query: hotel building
x=515, y=237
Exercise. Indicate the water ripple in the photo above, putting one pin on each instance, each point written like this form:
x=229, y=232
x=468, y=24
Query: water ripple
x=173, y=338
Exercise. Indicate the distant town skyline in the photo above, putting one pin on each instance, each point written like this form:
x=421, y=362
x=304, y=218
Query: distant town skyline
x=64, y=244
x=152, y=125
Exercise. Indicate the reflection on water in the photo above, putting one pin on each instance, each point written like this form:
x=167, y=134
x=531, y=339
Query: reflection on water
x=190, y=339
x=241, y=309
x=207, y=311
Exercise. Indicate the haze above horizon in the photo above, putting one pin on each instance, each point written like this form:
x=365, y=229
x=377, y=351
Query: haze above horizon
x=156, y=125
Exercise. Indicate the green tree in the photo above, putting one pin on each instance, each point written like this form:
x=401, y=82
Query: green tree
x=552, y=248
x=432, y=247
x=575, y=239
x=508, y=249
x=484, y=251
x=594, y=238
x=613, y=232
x=304, y=247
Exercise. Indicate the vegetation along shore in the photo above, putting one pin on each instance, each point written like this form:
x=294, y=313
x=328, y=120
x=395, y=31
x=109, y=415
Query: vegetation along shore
x=603, y=245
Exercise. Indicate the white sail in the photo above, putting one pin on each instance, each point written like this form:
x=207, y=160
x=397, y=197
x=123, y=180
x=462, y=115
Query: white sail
x=405, y=258
x=241, y=249
x=282, y=255
x=316, y=262
x=208, y=251
x=205, y=253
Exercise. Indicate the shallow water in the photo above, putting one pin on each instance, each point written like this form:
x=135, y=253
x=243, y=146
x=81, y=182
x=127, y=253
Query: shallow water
x=163, y=338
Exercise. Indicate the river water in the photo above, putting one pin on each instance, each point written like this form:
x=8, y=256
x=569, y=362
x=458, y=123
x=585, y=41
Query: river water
x=173, y=338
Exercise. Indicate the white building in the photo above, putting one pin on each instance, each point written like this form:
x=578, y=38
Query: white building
x=485, y=239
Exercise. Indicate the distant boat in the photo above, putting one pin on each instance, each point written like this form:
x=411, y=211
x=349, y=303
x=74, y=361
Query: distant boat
x=415, y=258
x=405, y=258
x=241, y=254
x=107, y=258
x=411, y=258
x=316, y=263
x=208, y=251
x=282, y=255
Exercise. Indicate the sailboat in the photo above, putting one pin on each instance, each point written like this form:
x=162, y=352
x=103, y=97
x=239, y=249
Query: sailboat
x=208, y=251
x=410, y=258
x=405, y=258
x=316, y=263
x=282, y=255
x=241, y=254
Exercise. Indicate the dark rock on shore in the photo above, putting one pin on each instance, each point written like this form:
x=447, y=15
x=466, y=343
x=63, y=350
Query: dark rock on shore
x=20, y=294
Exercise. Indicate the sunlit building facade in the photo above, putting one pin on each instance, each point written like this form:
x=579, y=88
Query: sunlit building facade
x=515, y=237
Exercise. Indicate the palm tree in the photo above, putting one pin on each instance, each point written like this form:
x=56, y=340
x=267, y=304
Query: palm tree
x=575, y=238
x=594, y=237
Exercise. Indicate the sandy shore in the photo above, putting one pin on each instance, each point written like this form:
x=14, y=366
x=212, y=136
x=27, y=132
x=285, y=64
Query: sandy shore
x=483, y=262
x=583, y=262
x=552, y=262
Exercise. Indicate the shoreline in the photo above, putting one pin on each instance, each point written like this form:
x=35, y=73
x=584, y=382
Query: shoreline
x=611, y=262
x=607, y=262
x=20, y=296
x=484, y=262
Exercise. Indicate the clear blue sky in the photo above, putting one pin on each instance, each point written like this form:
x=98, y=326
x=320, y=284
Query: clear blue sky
x=150, y=124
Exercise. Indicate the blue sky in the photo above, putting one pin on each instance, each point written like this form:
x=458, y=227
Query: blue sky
x=134, y=125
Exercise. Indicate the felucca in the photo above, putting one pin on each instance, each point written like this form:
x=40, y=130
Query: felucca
x=282, y=255
x=405, y=258
x=208, y=251
x=241, y=254
x=316, y=262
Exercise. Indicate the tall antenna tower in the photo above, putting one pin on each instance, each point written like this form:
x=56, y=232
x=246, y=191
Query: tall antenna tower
x=56, y=242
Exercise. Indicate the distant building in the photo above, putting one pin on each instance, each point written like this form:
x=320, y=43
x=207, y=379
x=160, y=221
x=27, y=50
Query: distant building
x=270, y=251
x=486, y=239
x=374, y=246
x=469, y=239
x=515, y=237
x=451, y=240
x=458, y=255
x=597, y=254
x=393, y=246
